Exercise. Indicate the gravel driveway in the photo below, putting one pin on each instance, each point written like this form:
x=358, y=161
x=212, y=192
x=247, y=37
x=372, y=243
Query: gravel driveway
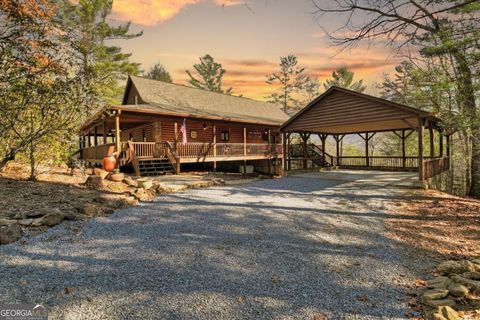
x=292, y=248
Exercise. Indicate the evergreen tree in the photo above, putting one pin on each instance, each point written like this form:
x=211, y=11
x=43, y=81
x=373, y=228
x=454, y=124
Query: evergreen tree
x=291, y=80
x=103, y=65
x=342, y=77
x=208, y=76
x=159, y=73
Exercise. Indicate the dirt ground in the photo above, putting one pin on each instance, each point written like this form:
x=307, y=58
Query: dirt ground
x=445, y=226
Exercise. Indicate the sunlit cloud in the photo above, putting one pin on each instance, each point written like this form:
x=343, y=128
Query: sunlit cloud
x=153, y=12
x=248, y=76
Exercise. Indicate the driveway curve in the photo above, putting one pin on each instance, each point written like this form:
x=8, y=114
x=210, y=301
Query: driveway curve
x=303, y=247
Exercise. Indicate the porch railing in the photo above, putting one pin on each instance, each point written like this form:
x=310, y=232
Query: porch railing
x=97, y=152
x=378, y=161
x=145, y=150
x=432, y=167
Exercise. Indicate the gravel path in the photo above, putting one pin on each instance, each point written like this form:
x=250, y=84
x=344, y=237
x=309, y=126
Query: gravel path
x=289, y=248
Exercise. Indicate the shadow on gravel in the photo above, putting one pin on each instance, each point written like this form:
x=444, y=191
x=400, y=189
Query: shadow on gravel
x=220, y=253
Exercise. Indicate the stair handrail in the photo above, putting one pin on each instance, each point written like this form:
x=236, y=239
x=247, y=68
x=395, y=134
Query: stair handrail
x=173, y=157
x=320, y=152
x=132, y=157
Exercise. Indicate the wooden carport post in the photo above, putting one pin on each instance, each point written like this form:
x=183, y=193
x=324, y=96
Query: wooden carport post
x=305, y=137
x=323, y=138
x=420, y=148
x=432, y=140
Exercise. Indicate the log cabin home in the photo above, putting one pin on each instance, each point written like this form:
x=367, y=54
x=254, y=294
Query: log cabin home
x=160, y=127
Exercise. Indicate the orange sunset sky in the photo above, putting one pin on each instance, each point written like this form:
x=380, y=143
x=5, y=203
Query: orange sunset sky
x=248, y=41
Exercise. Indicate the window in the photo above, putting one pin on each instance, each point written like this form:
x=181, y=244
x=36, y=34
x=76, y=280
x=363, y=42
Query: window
x=225, y=135
x=193, y=134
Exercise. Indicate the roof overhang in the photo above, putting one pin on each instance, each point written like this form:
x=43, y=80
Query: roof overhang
x=343, y=111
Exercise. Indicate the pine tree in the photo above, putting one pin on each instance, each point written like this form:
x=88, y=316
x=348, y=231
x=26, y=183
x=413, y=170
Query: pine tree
x=103, y=65
x=291, y=80
x=159, y=73
x=342, y=77
x=208, y=76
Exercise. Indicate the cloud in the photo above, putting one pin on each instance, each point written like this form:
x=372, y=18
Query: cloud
x=152, y=12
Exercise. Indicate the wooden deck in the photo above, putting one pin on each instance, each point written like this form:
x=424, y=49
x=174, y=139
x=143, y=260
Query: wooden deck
x=187, y=153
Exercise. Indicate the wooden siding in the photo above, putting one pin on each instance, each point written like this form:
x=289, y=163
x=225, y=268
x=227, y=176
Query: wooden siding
x=137, y=133
x=339, y=112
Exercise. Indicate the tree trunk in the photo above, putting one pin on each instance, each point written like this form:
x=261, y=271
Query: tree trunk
x=8, y=157
x=33, y=176
x=467, y=97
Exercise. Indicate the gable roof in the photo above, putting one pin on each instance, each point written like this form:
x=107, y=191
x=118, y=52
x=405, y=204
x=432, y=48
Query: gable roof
x=342, y=111
x=173, y=99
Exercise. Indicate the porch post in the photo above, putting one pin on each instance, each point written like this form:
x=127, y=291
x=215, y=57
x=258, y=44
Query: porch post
x=305, y=152
x=448, y=145
x=284, y=149
x=244, y=150
x=117, y=130
x=175, y=134
x=95, y=136
x=337, y=140
x=440, y=136
x=404, y=151
x=104, y=131
x=214, y=141
x=269, y=152
x=289, y=162
x=432, y=141
x=367, y=156
x=323, y=137
x=420, y=148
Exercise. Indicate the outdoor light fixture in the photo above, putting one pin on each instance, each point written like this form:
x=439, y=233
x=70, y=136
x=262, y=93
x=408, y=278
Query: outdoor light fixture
x=204, y=126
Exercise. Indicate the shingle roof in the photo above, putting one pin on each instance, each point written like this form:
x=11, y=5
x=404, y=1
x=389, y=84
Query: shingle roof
x=168, y=98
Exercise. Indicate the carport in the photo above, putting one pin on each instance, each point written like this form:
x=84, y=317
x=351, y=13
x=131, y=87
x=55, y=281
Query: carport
x=339, y=112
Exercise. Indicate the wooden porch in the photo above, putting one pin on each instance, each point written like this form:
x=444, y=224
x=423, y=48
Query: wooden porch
x=135, y=152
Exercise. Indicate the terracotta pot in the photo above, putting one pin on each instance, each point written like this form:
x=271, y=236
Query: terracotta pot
x=117, y=177
x=109, y=163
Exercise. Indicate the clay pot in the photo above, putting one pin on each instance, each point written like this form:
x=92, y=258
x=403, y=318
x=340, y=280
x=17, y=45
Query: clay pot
x=117, y=177
x=109, y=163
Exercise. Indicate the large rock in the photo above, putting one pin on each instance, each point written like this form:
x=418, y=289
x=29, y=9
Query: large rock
x=472, y=275
x=51, y=219
x=130, y=182
x=144, y=195
x=95, y=182
x=448, y=313
x=440, y=303
x=25, y=222
x=456, y=267
x=92, y=210
x=100, y=172
x=9, y=234
x=438, y=283
x=469, y=283
x=7, y=222
x=131, y=201
x=457, y=290
x=435, y=294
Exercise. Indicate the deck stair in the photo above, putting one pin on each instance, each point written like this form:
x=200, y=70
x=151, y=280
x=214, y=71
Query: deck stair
x=154, y=167
x=314, y=153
